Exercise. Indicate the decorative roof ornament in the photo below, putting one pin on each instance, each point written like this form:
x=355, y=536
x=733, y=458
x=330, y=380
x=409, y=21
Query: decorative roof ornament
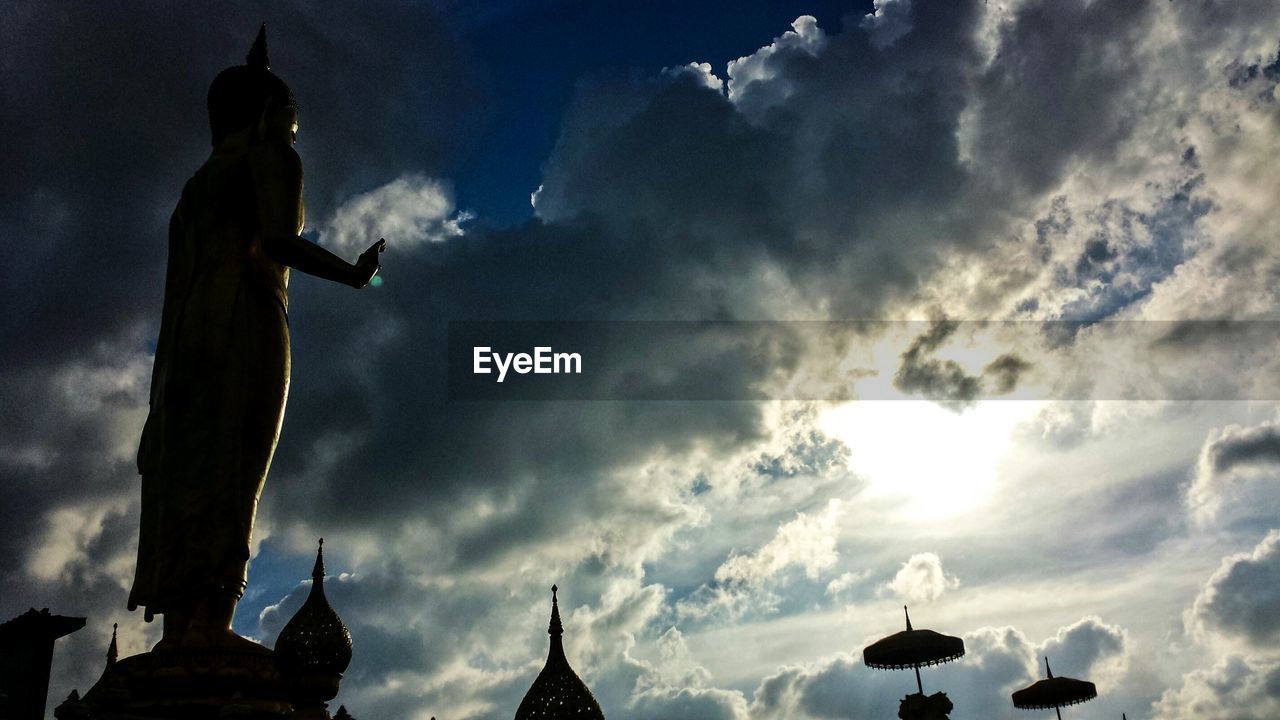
x=558, y=693
x=113, y=652
x=314, y=648
x=555, y=628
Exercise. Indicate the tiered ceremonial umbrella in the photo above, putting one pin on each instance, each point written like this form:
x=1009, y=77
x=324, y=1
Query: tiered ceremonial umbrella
x=1054, y=692
x=911, y=649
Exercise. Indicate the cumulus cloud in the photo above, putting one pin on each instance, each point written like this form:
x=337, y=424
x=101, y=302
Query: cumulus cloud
x=1091, y=649
x=674, y=685
x=921, y=579
x=745, y=583
x=1236, y=617
x=1236, y=688
x=764, y=65
x=1242, y=598
x=1237, y=473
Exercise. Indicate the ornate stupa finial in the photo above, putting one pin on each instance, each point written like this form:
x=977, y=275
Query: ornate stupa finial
x=257, y=57
x=555, y=628
x=317, y=570
x=113, y=652
x=314, y=648
x=558, y=691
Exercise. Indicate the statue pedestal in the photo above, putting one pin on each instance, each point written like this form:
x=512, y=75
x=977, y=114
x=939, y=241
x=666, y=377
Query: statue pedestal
x=186, y=685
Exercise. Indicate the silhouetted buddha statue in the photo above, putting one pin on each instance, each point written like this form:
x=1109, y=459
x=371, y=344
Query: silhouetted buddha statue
x=221, y=370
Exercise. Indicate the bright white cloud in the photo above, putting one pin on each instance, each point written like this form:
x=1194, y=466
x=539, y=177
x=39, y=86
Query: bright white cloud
x=65, y=545
x=807, y=542
x=411, y=210
x=921, y=579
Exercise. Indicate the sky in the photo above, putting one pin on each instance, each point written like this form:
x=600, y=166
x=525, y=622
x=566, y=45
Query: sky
x=1059, y=436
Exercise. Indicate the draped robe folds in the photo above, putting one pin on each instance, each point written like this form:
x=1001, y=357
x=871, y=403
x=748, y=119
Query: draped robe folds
x=221, y=375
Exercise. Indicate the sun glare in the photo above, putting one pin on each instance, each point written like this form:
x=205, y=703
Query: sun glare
x=934, y=461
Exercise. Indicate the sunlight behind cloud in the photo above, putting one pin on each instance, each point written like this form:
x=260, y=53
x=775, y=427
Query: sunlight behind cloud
x=937, y=462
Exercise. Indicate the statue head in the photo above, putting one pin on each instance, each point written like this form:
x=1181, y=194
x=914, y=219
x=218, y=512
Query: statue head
x=241, y=94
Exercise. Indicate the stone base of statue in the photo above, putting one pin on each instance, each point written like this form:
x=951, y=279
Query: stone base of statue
x=295, y=681
x=185, y=684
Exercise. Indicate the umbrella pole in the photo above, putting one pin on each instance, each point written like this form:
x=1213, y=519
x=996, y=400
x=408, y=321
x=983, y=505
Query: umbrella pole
x=920, y=687
x=1059, y=711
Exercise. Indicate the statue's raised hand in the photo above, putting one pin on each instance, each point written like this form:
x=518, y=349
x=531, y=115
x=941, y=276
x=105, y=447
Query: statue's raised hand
x=367, y=265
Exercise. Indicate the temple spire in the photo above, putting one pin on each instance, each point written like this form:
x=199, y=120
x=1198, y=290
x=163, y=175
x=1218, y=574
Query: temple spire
x=113, y=652
x=317, y=572
x=555, y=629
x=558, y=692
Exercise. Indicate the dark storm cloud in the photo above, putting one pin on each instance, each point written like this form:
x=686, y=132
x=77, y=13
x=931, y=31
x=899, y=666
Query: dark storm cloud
x=820, y=172
x=1005, y=371
x=945, y=381
x=1254, y=446
x=942, y=380
x=1059, y=88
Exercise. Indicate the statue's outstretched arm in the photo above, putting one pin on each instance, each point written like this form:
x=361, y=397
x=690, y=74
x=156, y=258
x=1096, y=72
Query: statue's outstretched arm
x=305, y=256
x=277, y=178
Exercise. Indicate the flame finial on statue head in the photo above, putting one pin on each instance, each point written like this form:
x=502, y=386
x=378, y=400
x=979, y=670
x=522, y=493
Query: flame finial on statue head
x=240, y=93
x=257, y=57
